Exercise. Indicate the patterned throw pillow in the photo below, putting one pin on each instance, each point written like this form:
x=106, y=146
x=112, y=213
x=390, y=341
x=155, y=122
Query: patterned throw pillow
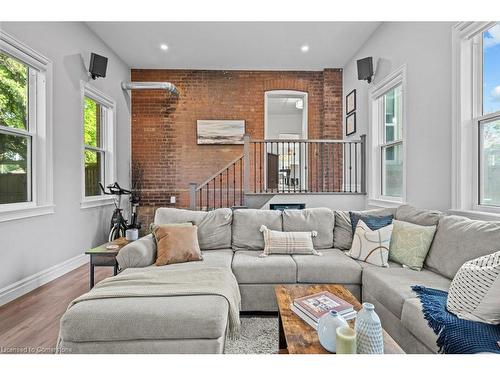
x=371, y=246
x=373, y=222
x=475, y=290
x=410, y=243
x=277, y=242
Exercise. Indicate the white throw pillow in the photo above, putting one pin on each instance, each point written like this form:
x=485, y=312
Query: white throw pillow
x=475, y=290
x=277, y=242
x=371, y=246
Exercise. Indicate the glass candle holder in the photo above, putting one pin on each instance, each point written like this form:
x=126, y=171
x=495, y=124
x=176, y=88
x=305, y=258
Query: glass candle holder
x=346, y=340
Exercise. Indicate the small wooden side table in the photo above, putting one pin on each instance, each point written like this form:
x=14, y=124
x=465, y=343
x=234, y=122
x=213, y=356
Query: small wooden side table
x=102, y=257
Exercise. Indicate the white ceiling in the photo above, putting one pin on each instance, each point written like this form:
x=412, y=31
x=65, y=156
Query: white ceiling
x=235, y=45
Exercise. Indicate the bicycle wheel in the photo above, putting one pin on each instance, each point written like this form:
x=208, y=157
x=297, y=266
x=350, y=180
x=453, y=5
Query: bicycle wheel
x=115, y=233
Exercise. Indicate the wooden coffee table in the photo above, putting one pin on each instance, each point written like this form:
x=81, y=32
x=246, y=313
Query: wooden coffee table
x=298, y=337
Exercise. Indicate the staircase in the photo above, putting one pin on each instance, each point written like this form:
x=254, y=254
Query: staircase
x=277, y=167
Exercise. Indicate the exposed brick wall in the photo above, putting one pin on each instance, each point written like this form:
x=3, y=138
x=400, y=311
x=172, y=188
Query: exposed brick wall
x=164, y=127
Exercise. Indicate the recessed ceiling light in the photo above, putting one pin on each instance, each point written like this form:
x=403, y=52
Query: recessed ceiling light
x=164, y=47
x=304, y=48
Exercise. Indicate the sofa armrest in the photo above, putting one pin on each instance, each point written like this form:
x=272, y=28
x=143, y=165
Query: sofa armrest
x=137, y=254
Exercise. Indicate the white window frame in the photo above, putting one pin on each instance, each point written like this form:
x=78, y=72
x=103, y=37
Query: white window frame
x=108, y=133
x=40, y=132
x=466, y=117
x=376, y=138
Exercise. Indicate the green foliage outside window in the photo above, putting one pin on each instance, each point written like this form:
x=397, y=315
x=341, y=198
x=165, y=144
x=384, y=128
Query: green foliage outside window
x=91, y=128
x=13, y=114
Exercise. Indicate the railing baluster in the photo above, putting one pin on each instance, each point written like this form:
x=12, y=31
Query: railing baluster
x=200, y=201
x=294, y=166
x=333, y=164
x=261, y=156
x=300, y=167
x=355, y=167
x=241, y=182
x=350, y=168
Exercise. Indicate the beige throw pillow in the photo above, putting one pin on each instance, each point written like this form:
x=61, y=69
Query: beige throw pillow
x=371, y=246
x=176, y=244
x=277, y=242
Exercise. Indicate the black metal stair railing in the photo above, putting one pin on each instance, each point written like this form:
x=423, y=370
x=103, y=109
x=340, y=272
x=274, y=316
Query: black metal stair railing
x=285, y=166
x=223, y=189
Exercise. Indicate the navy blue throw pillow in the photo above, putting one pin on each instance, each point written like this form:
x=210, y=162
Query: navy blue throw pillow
x=373, y=222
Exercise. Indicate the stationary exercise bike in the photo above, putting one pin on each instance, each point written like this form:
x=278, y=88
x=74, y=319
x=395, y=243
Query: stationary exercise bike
x=119, y=224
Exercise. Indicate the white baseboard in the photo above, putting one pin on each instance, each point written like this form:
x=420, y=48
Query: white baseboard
x=26, y=285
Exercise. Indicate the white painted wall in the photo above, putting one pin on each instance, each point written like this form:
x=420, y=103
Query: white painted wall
x=33, y=245
x=425, y=48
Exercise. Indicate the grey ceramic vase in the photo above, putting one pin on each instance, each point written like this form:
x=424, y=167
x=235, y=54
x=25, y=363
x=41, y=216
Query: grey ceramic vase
x=369, y=338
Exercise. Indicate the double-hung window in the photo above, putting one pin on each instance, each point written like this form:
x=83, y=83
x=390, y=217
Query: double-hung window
x=387, y=175
x=476, y=117
x=98, y=154
x=25, y=136
x=487, y=117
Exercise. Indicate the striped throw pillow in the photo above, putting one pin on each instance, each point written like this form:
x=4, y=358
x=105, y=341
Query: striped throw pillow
x=277, y=242
x=475, y=290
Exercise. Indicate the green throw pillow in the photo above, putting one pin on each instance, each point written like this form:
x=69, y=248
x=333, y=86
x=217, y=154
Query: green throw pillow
x=410, y=243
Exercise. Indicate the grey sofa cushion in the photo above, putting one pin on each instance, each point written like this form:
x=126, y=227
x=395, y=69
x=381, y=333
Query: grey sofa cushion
x=458, y=240
x=392, y=286
x=214, y=227
x=413, y=320
x=334, y=267
x=246, y=227
x=140, y=253
x=418, y=216
x=321, y=220
x=146, y=318
x=249, y=268
x=342, y=233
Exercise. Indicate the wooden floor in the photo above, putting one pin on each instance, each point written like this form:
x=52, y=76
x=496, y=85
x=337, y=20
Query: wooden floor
x=31, y=322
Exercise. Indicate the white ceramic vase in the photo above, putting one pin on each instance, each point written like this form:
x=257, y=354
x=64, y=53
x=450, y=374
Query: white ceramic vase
x=369, y=338
x=327, y=329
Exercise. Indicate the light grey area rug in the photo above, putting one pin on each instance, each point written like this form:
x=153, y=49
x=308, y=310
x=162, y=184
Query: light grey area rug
x=258, y=335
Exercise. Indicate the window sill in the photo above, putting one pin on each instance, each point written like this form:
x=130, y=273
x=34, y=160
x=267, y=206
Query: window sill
x=384, y=202
x=22, y=211
x=476, y=215
x=92, y=202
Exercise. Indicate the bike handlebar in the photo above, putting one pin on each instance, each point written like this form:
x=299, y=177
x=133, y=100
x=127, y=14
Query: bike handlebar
x=114, y=189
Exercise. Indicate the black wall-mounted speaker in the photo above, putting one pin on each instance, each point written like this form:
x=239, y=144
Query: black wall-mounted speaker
x=365, y=69
x=98, y=65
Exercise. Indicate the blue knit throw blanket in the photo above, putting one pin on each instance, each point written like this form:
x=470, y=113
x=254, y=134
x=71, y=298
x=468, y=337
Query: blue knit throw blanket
x=455, y=335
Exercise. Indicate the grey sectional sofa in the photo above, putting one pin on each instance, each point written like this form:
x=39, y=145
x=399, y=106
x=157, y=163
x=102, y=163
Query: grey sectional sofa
x=198, y=324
